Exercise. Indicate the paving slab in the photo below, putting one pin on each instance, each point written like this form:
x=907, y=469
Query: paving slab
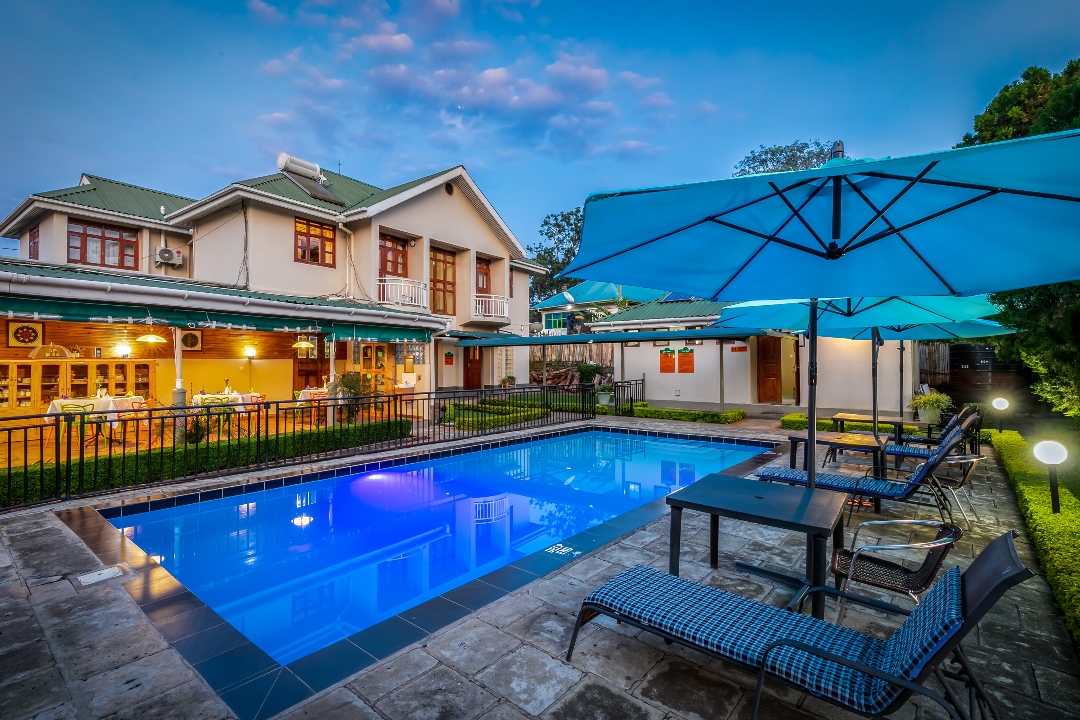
x=530, y=679
x=593, y=699
x=192, y=700
x=392, y=674
x=113, y=651
x=441, y=694
x=339, y=704
x=548, y=629
x=31, y=694
x=510, y=609
x=689, y=691
x=133, y=683
x=619, y=659
x=504, y=711
x=19, y=631
x=471, y=646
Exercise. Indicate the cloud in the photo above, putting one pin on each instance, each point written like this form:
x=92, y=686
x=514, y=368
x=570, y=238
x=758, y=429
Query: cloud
x=387, y=40
x=507, y=11
x=638, y=82
x=264, y=11
x=446, y=8
x=656, y=100
x=275, y=118
x=457, y=48
x=596, y=107
x=705, y=108
x=576, y=75
x=632, y=149
x=274, y=67
x=315, y=80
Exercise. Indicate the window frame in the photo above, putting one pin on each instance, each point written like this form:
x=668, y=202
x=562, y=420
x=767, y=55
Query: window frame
x=84, y=236
x=302, y=239
x=447, y=285
x=483, y=269
x=33, y=246
x=400, y=255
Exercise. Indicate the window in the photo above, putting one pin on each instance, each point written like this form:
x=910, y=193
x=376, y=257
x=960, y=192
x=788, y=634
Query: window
x=483, y=276
x=393, y=256
x=103, y=245
x=34, y=245
x=314, y=243
x=442, y=282
x=511, y=283
x=555, y=321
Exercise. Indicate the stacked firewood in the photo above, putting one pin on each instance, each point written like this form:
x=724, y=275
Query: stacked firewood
x=566, y=376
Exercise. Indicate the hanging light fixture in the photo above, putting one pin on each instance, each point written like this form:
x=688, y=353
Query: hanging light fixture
x=303, y=344
x=151, y=338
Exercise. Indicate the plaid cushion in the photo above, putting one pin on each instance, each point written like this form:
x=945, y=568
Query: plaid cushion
x=934, y=621
x=878, y=487
x=908, y=451
x=737, y=628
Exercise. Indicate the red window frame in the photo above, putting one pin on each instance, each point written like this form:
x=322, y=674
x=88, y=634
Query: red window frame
x=511, y=282
x=483, y=276
x=316, y=243
x=443, y=282
x=34, y=244
x=89, y=244
x=393, y=256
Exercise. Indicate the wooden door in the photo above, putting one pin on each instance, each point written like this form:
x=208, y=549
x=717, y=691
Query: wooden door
x=474, y=366
x=770, y=387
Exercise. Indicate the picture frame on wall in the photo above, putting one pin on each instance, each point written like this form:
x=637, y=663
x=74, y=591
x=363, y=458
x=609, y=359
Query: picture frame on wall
x=191, y=340
x=661, y=343
x=25, y=334
x=632, y=343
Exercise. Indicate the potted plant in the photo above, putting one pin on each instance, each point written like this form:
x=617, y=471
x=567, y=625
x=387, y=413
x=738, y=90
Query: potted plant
x=508, y=381
x=929, y=405
x=603, y=394
x=587, y=372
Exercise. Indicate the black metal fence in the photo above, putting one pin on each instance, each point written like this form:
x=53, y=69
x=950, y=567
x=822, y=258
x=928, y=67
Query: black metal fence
x=628, y=392
x=57, y=456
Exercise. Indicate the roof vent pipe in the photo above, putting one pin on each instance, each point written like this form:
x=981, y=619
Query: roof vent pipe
x=296, y=166
x=837, y=152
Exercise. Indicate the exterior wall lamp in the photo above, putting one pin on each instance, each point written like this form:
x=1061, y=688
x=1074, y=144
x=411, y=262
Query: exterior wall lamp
x=1000, y=404
x=1052, y=454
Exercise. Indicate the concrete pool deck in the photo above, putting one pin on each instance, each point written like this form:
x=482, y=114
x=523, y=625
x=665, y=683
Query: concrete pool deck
x=74, y=651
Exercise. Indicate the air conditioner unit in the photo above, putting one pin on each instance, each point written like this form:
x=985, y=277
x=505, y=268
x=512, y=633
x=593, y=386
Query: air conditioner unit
x=169, y=256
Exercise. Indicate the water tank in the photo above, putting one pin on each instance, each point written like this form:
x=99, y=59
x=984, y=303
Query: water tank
x=296, y=166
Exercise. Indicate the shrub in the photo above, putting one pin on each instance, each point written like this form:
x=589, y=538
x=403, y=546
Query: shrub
x=701, y=416
x=933, y=400
x=797, y=421
x=588, y=372
x=489, y=421
x=1056, y=537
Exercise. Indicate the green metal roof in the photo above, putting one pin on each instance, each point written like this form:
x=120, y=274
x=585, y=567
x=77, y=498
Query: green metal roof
x=663, y=310
x=354, y=193
x=104, y=194
x=612, y=337
x=592, y=291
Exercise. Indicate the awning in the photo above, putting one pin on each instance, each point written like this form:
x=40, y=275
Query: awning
x=26, y=308
x=615, y=337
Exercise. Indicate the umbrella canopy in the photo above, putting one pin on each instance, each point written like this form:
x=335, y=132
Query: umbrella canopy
x=967, y=330
x=860, y=312
x=956, y=222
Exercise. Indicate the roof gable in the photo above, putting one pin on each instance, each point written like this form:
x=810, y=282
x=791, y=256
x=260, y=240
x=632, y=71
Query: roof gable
x=104, y=194
x=662, y=310
x=593, y=291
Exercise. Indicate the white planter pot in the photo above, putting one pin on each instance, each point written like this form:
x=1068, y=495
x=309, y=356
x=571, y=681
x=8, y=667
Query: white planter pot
x=603, y=398
x=930, y=416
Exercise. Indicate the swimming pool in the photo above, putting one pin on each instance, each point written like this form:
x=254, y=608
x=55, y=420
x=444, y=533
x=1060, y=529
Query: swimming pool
x=298, y=568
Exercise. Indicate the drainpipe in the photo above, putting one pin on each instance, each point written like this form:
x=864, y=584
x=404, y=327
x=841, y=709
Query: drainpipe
x=247, y=255
x=348, y=256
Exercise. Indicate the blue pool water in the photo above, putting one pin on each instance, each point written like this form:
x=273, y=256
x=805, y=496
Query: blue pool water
x=298, y=568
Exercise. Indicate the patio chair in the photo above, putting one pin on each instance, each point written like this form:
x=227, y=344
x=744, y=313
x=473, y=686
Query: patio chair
x=846, y=668
x=920, y=481
x=218, y=413
x=83, y=420
x=887, y=574
x=137, y=413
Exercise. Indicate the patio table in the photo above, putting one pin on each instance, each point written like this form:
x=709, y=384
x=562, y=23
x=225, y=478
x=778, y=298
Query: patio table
x=231, y=398
x=817, y=513
x=109, y=406
x=307, y=395
x=841, y=441
x=839, y=419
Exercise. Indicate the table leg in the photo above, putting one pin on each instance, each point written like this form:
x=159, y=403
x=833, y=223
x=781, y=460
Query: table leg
x=838, y=543
x=806, y=457
x=794, y=454
x=714, y=541
x=676, y=541
x=837, y=425
x=816, y=573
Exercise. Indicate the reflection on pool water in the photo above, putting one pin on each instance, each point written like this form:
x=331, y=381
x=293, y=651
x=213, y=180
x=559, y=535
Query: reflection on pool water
x=298, y=568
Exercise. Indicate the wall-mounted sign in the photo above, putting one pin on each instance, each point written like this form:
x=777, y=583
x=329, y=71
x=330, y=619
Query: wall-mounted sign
x=686, y=360
x=635, y=343
x=448, y=358
x=661, y=343
x=739, y=348
x=24, y=334
x=667, y=360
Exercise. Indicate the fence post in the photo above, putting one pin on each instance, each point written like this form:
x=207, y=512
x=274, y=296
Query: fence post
x=56, y=453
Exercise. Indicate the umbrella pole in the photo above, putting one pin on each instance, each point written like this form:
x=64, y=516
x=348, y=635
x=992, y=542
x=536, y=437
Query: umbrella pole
x=901, y=383
x=875, y=340
x=811, y=397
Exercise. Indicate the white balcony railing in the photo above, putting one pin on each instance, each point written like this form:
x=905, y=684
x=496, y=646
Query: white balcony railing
x=553, y=331
x=496, y=306
x=403, y=291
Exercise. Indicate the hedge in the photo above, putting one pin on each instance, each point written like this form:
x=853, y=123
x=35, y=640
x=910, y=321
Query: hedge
x=492, y=420
x=129, y=469
x=701, y=416
x=1056, y=537
x=552, y=401
x=797, y=421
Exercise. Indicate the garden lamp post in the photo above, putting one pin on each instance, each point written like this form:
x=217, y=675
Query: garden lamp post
x=1052, y=454
x=1000, y=404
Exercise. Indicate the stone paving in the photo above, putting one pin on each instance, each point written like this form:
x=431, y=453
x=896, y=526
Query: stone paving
x=69, y=651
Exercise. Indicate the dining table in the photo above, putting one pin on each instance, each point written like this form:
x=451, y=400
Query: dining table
x=108, y=406
x=229, y=398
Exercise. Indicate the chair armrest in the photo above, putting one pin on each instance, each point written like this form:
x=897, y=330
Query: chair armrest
x=859, y=527
x=854, y=665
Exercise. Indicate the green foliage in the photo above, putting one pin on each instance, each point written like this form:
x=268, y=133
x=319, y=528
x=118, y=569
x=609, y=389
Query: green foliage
x=701, y=416
x=797, y=421
x=605, y=388
x=561, y=233
x=135, y=468
x=799, y=155
x=932, y=400
x=1056, y=537
x=588, y=372
x=1039, y=102
x=488, y=421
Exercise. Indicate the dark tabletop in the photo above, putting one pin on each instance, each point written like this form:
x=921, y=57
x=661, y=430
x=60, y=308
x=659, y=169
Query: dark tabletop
x=853, y=417
x=800, y=509
x=841, y=439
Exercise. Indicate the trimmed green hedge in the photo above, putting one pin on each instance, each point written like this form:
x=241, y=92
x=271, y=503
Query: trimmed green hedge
x=552, y=401
x=701, y=416
x=1056, y=537
x=493, y=420
x=797, y=421
x=139, y=467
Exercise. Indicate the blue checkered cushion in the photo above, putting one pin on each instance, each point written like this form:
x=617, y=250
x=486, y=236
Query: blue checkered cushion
x=879, y=487
x=739, y=629
x=909, y=451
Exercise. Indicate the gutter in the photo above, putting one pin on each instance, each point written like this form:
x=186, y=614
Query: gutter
x=76, y=289
x=658, y=323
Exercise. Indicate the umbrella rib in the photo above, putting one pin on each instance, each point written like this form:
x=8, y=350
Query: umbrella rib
x=974, y=186
x=932, y=216
x=885, y=208
x=741, y=268
x=768, y=238
x=926, y=309
x=797, y=214
x=900, y=235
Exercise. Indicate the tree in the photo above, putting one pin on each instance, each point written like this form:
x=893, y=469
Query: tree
x=561, y=233
x=1047, y=317
x=799, y=155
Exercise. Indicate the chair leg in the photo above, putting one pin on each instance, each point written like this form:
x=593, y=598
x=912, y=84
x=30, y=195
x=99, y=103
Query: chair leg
x=961, y=506
x=967, y=494
x=583, y=617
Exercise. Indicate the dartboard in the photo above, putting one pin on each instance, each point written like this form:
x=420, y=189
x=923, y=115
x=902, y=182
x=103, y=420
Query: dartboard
x=25, y=334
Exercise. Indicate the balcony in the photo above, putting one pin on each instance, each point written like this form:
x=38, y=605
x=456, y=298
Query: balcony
x=403, y=291
x=491, y=306
x=554, y=331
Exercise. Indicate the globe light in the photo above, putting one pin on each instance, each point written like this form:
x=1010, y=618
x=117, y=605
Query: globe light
x=250, y=352
x=1052, y=454
x=1000, y=404
x=123, y=350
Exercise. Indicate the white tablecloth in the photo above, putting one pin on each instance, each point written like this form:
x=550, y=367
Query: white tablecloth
x=233, y=398
x=307, y=395
x=111, y=406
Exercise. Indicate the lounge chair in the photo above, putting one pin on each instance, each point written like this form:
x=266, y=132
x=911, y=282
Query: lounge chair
x=919, y=481
x=854, y=671
x=920, y=448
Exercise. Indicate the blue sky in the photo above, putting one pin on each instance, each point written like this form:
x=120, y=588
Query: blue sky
x=544, y=101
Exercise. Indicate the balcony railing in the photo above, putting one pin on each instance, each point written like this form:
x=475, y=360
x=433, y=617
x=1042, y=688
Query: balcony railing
x=403, y=291
x=554, y=331
x=496, y=306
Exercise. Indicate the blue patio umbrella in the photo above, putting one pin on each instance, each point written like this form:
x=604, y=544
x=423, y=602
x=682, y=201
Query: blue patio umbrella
x=864, y=316
x=956, y=222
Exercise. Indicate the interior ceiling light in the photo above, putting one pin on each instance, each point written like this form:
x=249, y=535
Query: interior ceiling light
x=303, y=344
x=153, y=339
